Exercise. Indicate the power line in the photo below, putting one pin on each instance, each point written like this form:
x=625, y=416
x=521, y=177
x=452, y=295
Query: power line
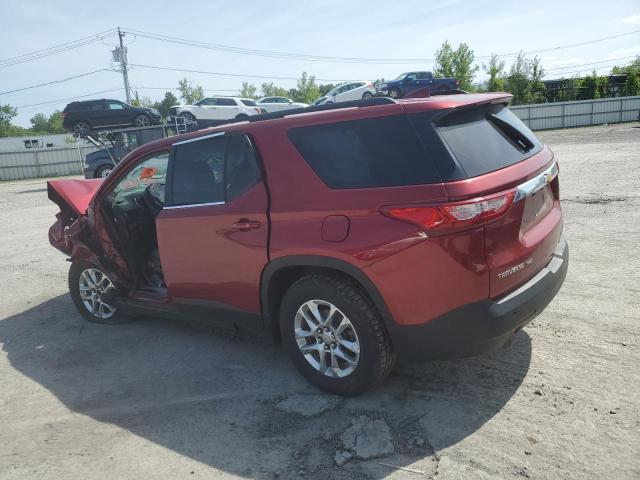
x=584, y=70
x=184, y=70
x=69, y=98
x=177, y=89
x=63, y=47
x=592, y=63
x=56, y=81
x=324, y=58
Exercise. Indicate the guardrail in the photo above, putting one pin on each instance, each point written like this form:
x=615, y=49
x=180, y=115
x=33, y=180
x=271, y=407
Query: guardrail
x=580, y=113
x=41, y=162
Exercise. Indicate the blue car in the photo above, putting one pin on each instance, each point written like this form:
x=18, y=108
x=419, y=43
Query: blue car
x=410, y=81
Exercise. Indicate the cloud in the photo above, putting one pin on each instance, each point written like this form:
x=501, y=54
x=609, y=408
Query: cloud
x=632, y=19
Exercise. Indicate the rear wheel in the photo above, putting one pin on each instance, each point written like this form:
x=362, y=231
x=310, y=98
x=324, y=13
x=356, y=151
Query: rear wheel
x=142, y=121
x=367, y=96
x=94, y=294
x=82, y=128
x=334, y=335
x=241, y=116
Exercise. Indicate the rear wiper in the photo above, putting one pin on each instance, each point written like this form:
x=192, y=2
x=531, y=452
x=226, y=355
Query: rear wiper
x=516, y=136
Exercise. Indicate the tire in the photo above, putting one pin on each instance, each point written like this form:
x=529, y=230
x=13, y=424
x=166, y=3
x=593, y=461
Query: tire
x=394, y=93
x=241, y=116
x=188, y=117
x=103, y=171
x=81, y=128
x=365, y=330
x=87, y=273
x=141, y=120
x=367, y=96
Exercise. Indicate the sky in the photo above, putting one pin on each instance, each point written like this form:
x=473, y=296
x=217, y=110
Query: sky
x=410, y=31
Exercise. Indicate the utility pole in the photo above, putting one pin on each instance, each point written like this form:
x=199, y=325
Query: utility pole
x=123, y=66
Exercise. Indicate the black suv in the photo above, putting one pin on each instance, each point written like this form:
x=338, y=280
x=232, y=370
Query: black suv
x=84, y=117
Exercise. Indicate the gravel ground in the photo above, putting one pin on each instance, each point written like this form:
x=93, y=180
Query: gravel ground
x=158, y=399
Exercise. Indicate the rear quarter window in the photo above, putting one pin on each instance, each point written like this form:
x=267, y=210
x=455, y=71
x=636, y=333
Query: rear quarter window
x=486, y=139
x=376, y=152
x=249, y=103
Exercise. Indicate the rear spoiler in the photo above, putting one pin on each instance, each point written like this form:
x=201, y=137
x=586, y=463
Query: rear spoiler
x=425, y=92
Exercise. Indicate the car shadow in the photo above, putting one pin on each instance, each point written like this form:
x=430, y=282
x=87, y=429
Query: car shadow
x=213, y=397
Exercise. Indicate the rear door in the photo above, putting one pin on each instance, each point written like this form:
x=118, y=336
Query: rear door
x=498, y=153
x=227, y=108
x=212, y=232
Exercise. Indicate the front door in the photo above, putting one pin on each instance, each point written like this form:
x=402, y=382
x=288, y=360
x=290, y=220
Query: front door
x=213, y=230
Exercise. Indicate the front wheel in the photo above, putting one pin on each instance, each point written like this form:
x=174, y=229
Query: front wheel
x=334, y=335
x=103, y=172
x=94, y=294
x=394, y=93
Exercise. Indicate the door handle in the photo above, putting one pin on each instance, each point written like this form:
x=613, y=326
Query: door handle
x=245, y=224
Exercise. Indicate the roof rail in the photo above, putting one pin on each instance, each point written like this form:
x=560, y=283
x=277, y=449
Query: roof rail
x=371, y=102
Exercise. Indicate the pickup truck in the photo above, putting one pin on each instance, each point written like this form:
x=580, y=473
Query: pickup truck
x=408, y=82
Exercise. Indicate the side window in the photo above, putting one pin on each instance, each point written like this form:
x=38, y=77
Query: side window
x=410, y=76
x=241, y=167
x=377, y=152
x=422, y=76
x=115, y=106
x=151, y=170
x=97, y=106
x=197, y=170
x=212, y=170
x=226, y=102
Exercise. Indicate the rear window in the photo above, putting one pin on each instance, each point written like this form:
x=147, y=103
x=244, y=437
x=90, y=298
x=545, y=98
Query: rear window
x=377, y=152
x=249, y=103
x=487, y=139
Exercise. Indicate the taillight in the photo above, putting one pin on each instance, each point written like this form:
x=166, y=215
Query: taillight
x=457, y=83
x=259, y=110
x=63, y=115
x=446, y=217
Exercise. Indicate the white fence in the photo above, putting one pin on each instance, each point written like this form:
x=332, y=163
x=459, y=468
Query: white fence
x=578, y=114
x=49, y=162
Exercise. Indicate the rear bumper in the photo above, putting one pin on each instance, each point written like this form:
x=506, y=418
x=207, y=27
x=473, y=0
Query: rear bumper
x=487, y=325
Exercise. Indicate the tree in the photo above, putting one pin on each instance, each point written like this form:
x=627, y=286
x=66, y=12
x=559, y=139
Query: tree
x=495, y=69
x=248, y=90
x=525, y=80
x=7, y=113
x=167, y=102
x=306, y=90
x=456, y=63
x=55, y=122
x=272, y=90
x=39, y=123
x=190, y=93
x=632, y=84
x=325, y=88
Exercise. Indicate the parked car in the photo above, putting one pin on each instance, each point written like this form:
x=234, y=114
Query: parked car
x=87, y=116
x=408, y=82
x=114, y=145
x=278, y=104
x=216, y=108
x=348, y=92
x=426, y=229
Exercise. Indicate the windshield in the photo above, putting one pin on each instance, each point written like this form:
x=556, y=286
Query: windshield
x=399, y=77
x=333, y=91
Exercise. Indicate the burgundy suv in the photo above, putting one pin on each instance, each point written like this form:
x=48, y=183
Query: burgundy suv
x=353, y=233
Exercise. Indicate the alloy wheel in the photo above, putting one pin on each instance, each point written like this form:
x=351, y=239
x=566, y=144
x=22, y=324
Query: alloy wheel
x=142, y=121
x=97, y=293
x=81, y=128
x=326, y=338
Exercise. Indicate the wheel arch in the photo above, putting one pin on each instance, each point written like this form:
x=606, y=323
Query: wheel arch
x=282, y=272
